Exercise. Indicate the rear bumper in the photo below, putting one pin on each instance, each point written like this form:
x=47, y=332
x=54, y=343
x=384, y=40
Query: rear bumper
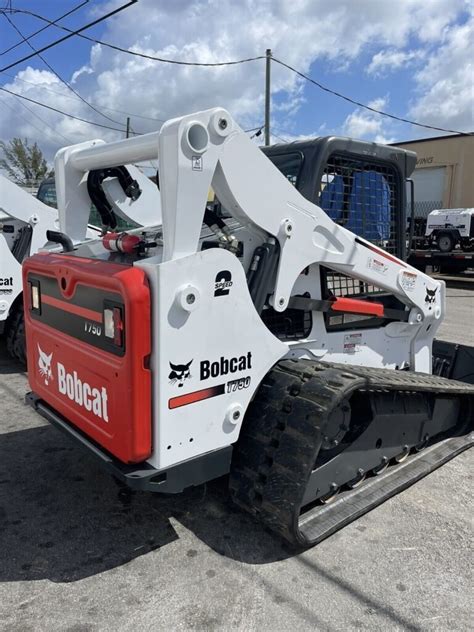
x=141, y=476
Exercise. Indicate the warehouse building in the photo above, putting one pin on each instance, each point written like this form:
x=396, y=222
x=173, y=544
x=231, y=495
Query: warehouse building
x=444, y=174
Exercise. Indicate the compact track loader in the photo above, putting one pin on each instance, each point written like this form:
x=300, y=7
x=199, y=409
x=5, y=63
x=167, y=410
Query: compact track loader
x=267, y=342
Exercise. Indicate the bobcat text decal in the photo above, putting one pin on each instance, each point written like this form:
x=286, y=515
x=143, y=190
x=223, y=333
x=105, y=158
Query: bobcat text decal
x=6, y=285
x=92, y=399
x=208, y=369
x=223, y=366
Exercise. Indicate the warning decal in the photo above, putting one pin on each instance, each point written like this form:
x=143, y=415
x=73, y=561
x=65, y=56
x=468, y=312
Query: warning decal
x=352, y=343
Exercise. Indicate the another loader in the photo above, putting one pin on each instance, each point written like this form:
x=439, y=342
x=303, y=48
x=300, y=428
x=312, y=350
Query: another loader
x=267, y=342
x=24, y=222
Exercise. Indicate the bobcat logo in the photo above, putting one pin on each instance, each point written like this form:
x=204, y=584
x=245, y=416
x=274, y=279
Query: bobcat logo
x=179, y=373
x=44, y=364
x=430, y=295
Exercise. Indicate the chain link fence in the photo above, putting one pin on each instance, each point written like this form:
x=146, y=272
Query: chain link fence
x=424, y=208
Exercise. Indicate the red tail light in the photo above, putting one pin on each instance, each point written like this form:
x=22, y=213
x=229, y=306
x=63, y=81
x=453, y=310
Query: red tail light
x=113, y=324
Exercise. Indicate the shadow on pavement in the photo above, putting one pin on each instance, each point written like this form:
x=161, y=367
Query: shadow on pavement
x=8, y=365
x=63, y=518
x=374, y=605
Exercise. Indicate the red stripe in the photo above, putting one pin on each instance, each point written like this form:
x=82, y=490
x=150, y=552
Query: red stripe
x=196, y=396
x=357, y=306
x=382, y=253
x=71, y=308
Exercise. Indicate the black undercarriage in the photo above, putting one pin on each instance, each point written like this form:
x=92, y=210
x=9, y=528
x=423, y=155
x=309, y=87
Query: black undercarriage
x=324, y=443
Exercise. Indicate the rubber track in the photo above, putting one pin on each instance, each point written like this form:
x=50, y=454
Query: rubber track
x=281, y=435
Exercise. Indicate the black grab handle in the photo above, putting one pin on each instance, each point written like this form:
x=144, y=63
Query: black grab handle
x=60, y=238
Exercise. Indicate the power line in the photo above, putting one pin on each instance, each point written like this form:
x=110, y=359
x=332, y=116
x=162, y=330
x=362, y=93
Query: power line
x=49, y=107
x=78, y=118
x=363, y=105
x=17, y=113
x=68, y=96
x=136, y=53
x=66, y=37
x=257, y=133
x=57, y=74
x=283, y=140
x=242, y=61
x=131, y=114
x=29, y=122
x=68, y=140
x=7, y=50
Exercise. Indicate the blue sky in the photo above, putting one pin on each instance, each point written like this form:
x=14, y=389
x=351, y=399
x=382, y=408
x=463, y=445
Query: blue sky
x=410, y=58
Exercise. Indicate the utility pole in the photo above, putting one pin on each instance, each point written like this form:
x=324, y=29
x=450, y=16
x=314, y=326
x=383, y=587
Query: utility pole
x=268, y=55
x=127, y=133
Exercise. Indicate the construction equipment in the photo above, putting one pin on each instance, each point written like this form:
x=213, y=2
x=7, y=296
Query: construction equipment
x=446, y=228
x=24, y=222
x=267, y=342
x=24, y=225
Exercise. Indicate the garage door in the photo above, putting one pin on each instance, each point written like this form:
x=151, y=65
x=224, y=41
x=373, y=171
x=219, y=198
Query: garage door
x=429, y=187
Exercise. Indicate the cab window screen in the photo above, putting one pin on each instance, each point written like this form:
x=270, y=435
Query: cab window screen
x=289, y=165
x=47, y=194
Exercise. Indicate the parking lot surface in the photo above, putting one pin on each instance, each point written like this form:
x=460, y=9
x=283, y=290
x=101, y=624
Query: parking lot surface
x=78, y=553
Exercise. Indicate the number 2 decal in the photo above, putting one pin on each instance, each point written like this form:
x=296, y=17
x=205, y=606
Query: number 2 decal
x=223, y=283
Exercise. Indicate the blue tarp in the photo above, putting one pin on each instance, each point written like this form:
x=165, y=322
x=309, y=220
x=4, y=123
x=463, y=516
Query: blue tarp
x=368, y=208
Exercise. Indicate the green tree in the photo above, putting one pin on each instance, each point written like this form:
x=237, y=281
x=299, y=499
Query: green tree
x=24, y=163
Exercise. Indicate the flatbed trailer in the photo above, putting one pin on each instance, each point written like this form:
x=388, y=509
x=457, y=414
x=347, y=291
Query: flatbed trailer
x=454, y=261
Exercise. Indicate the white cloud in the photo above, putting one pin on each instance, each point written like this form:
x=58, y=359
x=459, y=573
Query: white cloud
x=298, y=31
x=365, y=124
x=390, y=60
x=82, y=70
x=445, y=84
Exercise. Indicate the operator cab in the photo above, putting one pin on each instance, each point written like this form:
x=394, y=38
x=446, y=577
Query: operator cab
x=360, y=185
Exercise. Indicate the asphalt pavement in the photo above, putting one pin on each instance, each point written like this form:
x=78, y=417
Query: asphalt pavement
x=78, y=553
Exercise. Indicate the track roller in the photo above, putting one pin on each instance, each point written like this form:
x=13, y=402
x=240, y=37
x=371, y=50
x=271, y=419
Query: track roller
x=314, y=430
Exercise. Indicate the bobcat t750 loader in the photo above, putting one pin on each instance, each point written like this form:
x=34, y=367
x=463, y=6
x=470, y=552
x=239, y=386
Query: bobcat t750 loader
x=269, y=343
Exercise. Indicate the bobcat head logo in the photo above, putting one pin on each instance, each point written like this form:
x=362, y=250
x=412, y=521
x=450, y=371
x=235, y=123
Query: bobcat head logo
x=179, y=373
x=430, y=295
x=44, y=364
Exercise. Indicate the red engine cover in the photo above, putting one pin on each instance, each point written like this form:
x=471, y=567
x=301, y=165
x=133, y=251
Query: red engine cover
x=100, y=385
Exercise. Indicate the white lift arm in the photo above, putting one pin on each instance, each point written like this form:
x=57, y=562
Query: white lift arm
x=209, y=148
x=72, y=165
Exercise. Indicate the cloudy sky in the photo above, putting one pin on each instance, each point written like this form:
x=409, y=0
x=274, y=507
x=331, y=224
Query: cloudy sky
x=412, y=58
